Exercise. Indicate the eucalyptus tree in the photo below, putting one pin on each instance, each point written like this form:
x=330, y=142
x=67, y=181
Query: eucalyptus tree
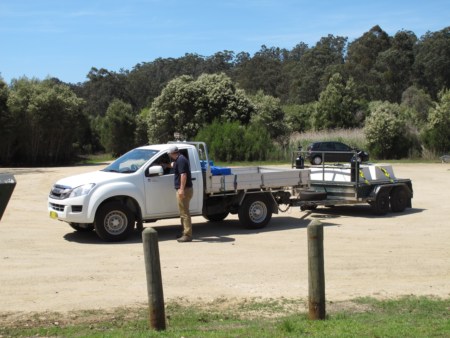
x=46, y=119
x=394, y=67
x=432, y=61
x=361, y=59
x=315, y=67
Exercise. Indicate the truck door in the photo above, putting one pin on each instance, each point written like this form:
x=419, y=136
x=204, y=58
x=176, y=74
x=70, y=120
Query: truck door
x=161, y=196
x=196, y=205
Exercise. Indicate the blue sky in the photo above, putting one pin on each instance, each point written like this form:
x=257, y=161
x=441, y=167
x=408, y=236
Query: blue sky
x=65, y=38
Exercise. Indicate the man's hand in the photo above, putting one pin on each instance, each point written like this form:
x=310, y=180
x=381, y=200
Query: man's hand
x=181, y=193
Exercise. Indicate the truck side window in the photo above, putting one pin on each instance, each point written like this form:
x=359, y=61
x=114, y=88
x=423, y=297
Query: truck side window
x=162, y=161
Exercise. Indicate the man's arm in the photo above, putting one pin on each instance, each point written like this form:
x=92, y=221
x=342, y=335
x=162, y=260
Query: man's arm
x=183, y=179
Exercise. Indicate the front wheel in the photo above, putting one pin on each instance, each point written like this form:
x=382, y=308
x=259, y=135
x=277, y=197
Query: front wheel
x=82, y=227
x=114, y=222
x=216, y=217
x=255, y=212
x=316, y=160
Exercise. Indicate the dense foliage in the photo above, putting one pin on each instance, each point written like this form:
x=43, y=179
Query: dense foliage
x=277, y=91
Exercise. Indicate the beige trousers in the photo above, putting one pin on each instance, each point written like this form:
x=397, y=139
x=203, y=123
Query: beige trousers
x=183, y=206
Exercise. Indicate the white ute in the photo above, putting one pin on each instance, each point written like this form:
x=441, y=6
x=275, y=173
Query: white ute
x=135, y=189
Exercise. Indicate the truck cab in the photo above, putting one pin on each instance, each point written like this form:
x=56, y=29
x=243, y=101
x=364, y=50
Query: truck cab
x=133, y=188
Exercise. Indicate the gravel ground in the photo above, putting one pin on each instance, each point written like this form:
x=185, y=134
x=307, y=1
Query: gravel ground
x=46, y=266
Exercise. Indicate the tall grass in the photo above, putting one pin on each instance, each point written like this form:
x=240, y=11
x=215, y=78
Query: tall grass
x=353, y=137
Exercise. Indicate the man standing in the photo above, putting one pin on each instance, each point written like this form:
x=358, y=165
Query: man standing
x=184, y=191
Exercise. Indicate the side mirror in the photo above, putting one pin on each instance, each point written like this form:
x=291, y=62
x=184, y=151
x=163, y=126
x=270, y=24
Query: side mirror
x=156, y=170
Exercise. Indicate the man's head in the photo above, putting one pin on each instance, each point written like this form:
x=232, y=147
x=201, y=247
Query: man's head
x=173, y=152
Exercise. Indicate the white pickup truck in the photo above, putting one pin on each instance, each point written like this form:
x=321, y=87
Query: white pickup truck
x=135, y=189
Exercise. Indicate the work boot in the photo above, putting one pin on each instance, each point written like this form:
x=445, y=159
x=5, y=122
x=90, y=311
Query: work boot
x=183, y=239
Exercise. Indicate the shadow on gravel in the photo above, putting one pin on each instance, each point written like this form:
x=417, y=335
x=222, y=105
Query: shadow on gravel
x=362, y=211
x=209, y=232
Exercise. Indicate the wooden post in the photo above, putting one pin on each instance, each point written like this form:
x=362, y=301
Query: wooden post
x=157, y=316
x=316, y=272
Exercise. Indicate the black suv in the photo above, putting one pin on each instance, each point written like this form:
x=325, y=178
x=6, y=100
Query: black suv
x=319, y=152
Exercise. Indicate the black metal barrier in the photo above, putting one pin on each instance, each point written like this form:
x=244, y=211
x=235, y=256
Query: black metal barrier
x=7, y=185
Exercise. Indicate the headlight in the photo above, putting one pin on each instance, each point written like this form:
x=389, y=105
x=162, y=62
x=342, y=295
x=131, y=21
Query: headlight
x=82, y=190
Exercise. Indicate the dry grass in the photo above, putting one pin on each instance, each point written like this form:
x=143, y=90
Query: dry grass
x=352, y=137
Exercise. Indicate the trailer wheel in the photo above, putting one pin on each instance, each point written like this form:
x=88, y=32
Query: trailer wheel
x=399, y=199
x=255, y=212
x=82, y=227
x=381, y=204
x=114, y=222
x=216, y=217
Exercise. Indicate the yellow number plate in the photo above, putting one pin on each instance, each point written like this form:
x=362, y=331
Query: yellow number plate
x=53, y=214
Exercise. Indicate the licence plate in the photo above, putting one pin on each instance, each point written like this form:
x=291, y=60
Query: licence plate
x=53, y=214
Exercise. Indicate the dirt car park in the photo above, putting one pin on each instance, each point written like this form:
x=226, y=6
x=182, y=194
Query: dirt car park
x=46, y=266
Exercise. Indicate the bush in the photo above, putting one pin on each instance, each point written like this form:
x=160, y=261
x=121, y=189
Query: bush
x=388, y=135
x=436, y=135
x=232, y=142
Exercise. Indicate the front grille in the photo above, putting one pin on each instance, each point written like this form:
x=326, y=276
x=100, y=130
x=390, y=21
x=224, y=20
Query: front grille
x=57, y=207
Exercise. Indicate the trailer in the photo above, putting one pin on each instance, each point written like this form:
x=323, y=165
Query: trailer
x=354, y=183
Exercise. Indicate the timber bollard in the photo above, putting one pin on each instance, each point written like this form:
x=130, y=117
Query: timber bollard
x=157, y=316
x=316, y=271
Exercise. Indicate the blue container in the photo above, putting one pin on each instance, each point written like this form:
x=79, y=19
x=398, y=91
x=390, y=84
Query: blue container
x=203, y=164
x=216, y=171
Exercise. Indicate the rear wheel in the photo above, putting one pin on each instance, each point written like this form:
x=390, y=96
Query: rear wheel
x=381, y=204
x=114, y=222
x=255, y=212
x=399, y=199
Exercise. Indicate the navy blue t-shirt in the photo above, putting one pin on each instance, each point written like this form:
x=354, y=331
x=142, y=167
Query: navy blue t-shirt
x=181, y=166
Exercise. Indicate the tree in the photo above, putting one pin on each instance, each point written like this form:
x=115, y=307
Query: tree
x=338, y=105
x=436, y=135
x=230, y=141
x=316, y=67
x=268, y=113
x=394, y=67
x=185, y=105
x=386, y=133
x=46, y=117
x=7, y=133
x=299, y=116
x=118, y=128
x=418, y=104
x=261, y=72
x=361, y=58
x=432, y=62
x=102, y=87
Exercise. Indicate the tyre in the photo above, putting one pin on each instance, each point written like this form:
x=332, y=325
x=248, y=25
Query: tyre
x=82, y=227
x=316, y=160
x=399, y=199
x=114, y=222
x=255, y=212
x=216, y=217
x=381, y=204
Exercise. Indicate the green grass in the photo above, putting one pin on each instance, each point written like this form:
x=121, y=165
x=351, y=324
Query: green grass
x=366, y=317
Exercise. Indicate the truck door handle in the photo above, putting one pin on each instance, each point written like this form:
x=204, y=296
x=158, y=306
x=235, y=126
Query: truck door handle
x=193, y=179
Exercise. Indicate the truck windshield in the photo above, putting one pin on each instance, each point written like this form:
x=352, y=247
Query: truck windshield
x=131, y=161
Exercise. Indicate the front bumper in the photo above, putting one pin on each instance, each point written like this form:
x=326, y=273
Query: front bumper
x=71, y=210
